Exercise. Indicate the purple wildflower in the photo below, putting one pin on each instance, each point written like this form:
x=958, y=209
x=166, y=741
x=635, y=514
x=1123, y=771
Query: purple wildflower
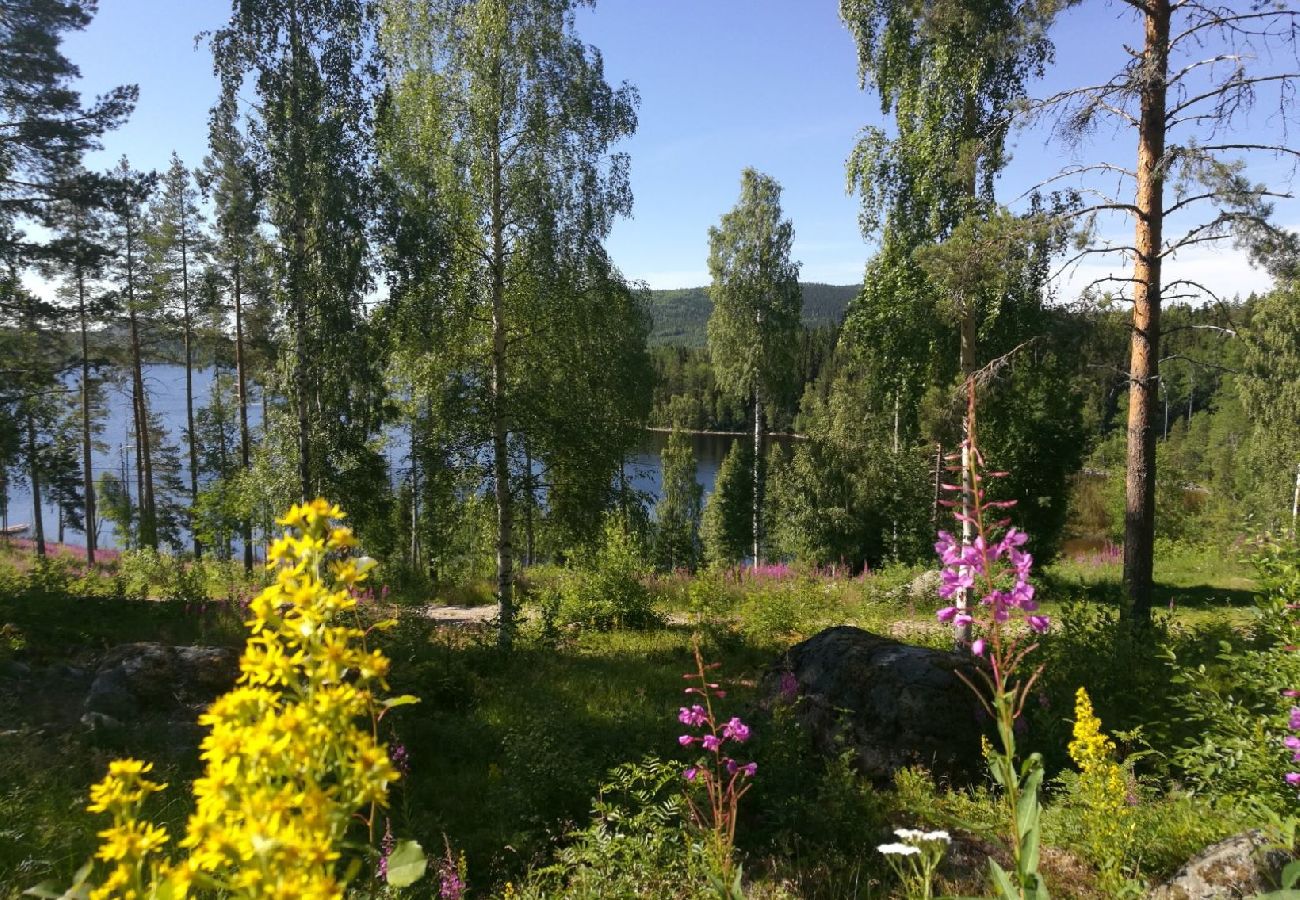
x=401, y=758
x=735, y=730
x=386, y=848
x=693, y=715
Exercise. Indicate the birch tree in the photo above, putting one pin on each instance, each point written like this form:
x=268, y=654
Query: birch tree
x=502, y=118
x=309, y=136
x=754, y=326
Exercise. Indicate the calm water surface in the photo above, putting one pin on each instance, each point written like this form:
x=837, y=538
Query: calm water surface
x=166, y=387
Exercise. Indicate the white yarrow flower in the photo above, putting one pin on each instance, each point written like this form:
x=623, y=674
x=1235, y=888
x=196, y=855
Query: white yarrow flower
x=937, y=836
x=909, y=834
x=898, y=849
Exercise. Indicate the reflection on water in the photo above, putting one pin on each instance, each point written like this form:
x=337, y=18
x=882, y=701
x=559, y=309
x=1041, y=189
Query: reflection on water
x=166, y=386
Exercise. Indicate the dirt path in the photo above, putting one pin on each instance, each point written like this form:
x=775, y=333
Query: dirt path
x=459, y=615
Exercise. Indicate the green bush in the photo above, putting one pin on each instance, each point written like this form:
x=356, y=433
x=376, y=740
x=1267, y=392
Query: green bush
x=608, y=590
x=1234, y=706
x=637, y=844
x=781, y=611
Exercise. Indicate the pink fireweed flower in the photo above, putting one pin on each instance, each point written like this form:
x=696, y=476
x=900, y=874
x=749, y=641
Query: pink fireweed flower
x=748, y=769
x=686, y=740
x=977, y=647
x=946, y=614
x=711, y=742
x=1293, y=779
x=1294, y=721
x=689, y=774
x=693, y=715
x=735, y=730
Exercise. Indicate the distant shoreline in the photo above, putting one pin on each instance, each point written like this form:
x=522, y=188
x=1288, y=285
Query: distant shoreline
x=789, y=435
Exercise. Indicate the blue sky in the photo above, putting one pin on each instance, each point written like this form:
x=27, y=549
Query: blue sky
x=724, y=84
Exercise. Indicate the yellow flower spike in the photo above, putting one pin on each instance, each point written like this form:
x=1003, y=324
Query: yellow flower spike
x=263, y=824
x=341, y=539
x=296, y=517
x=345, y=572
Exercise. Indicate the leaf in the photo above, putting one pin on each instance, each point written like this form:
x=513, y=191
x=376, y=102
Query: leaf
x=1002, y=881
x=1027, y=809
x=404, y=700
x=1291, y=874
x=1029, y=852
x=46, y=889
x=406, y=864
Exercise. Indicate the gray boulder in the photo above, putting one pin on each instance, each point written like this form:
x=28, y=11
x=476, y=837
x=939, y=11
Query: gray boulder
x=135, y=679
x=894, y=704
x=1244, y=865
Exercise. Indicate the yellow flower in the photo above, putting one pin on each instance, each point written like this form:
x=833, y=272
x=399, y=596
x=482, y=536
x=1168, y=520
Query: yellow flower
x=341, y=539
x=1103, y=795
x=287, y=766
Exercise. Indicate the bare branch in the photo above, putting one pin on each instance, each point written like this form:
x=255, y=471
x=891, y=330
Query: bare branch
x=1239, y=84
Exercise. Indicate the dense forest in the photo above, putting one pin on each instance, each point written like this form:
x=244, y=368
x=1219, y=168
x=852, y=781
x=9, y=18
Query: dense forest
x=387, y=285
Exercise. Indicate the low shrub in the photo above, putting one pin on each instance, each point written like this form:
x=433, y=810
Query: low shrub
x=607, y=590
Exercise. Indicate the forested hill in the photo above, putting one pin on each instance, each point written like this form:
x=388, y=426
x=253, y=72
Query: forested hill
x=680, y=316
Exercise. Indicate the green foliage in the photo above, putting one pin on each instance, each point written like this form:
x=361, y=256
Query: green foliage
x=755, y=294
x=819, y=813
x=781, y=611
x=677, y=515
x=727, y=528
x=636, y=845
x=608, y=590
x=1234, y=705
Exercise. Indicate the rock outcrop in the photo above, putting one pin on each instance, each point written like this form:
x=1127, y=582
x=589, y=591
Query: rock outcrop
x=148, y=678
x=893, y=704
x=1243, y=865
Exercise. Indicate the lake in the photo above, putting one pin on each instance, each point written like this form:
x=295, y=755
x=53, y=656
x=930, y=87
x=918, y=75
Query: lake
x=166, y=387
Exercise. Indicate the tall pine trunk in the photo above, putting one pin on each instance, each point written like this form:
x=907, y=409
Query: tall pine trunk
x=34, y=474
x=87, y=469
x=240, y=380
x=297, y=259
x=144, y=461
x=189, y=377
x=758, y=478
x=1144, y=365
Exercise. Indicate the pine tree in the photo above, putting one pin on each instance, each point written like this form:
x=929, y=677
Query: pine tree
x=129, y=191
x=79, y=252
x=727, y=526
x=229, y=179
x=177, y=246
